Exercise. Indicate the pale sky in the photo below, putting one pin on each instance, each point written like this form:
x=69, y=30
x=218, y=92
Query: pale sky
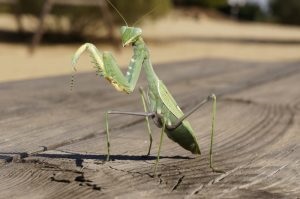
x=262, y=3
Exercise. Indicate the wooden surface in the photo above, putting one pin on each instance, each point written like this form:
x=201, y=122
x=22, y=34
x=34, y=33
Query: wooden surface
x=52, y=142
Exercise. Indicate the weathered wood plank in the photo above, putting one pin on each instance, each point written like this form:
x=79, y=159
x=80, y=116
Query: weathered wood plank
x=46, y=114
x=237, y=151
x=47, y=107
x=256, y=141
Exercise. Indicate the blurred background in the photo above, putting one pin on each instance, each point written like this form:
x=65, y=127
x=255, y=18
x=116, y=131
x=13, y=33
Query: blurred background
x=38, y=37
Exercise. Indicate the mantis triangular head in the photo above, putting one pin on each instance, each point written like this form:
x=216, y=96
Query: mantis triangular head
x=130, y=34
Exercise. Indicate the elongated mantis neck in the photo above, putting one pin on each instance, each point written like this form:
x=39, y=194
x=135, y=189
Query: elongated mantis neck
x=150, y=73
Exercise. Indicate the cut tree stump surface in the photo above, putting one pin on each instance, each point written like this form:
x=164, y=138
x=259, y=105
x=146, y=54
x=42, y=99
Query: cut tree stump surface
x=52, y=142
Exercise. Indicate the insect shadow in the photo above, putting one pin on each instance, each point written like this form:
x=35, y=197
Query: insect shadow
x=79, y=158
x=9, y=156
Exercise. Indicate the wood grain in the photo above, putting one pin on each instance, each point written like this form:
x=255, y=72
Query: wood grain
x=52, y=142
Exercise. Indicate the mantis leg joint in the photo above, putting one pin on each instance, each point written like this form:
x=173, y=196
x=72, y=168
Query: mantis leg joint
x=212, y=97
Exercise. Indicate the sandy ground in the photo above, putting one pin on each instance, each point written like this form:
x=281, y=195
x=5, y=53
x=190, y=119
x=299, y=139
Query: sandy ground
x=172, y=38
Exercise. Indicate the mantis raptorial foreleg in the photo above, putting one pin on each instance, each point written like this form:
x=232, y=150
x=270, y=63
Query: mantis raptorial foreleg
x=120, y=113
x=214, y=107
x=107, y=67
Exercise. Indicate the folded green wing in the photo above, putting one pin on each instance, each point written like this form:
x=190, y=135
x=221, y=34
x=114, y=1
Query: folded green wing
x=168, y=100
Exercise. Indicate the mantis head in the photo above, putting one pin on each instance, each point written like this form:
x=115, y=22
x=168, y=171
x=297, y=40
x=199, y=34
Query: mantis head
x=130, y=34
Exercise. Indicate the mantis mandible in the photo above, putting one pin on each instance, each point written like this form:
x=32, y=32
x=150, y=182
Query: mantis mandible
x=159, y=105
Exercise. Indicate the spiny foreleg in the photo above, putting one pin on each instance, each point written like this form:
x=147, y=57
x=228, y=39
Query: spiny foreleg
x=95, y=55
x=107, y=67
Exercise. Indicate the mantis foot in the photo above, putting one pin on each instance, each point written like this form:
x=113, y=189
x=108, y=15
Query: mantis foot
x=216, y=170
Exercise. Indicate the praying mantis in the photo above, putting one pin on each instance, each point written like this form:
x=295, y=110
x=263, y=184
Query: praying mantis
x=158, y=103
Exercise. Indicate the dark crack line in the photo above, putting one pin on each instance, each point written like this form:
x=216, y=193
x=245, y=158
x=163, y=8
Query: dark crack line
x=131, y=173
x=60, y=180
x=177, y=183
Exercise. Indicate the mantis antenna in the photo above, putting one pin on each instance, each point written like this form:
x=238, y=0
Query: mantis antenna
x=112, y=5
x=148, y=13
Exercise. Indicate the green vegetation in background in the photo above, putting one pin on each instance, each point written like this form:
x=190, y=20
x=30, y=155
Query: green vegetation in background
x=286, y=11
x=136, y=9
x=201, y=3
x=248, y=12
x=82, y=18
x=251, y=12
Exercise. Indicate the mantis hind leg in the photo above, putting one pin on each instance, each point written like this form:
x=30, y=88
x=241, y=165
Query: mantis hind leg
x=214, y=109
x=121, y=113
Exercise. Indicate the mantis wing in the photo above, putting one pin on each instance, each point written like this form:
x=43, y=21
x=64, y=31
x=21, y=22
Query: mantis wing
x=183, y=135
x=168, y=100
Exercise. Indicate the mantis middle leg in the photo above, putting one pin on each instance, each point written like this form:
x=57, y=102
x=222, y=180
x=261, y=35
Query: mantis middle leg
x=146, y=109
x=146, y=114
x=214, y=108
x=107, y=125
x=160, y=144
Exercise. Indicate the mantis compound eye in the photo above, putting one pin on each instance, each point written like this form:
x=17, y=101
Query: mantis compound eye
x=138, y=31
x=123, y=29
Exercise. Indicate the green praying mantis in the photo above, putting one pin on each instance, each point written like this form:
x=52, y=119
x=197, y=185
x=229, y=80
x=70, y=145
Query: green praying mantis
x=158, y=103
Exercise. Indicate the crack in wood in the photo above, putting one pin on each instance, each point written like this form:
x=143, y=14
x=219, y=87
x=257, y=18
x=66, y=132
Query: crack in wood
x=86, y=182
x=130, y=172
x=59, y=180
x=177, y=183
x=81, y=180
